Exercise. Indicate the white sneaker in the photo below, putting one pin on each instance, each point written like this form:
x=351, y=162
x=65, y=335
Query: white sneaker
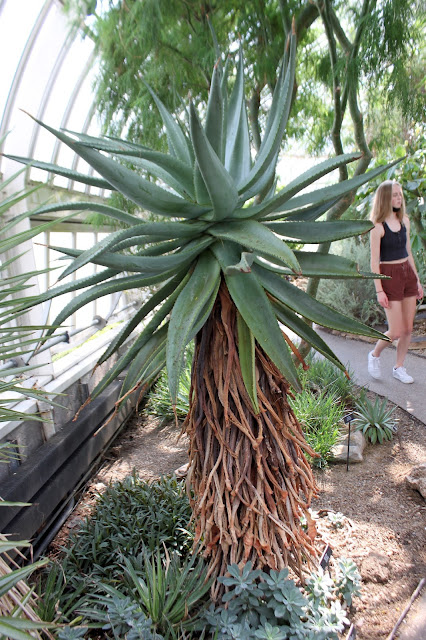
x=374, y=366
x=400, y=374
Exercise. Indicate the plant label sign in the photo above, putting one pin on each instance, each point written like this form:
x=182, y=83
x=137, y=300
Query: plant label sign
x=325, y=558
x=351, y=633
x=348, y=418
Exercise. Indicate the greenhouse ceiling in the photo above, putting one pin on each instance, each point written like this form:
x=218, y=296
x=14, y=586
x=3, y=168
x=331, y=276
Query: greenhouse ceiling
x=48, y=72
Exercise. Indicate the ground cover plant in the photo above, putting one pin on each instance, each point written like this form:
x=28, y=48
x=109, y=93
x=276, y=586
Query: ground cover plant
x=222, y=262
x=108, y=579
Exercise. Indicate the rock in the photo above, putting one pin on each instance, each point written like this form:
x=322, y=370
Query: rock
x=340, y=453
x=182, y=471
x=375, y=568
x=416, y=479
x=356, y=447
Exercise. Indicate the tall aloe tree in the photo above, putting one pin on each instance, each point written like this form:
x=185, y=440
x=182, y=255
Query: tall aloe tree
x=223, y=267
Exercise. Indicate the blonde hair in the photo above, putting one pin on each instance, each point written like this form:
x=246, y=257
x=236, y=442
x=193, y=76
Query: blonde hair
x=382, y=204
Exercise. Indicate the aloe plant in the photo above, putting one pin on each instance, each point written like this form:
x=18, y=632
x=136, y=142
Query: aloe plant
x=221, y=261
x=18, y=618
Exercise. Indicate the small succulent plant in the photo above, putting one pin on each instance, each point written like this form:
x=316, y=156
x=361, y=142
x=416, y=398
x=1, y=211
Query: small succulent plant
x=375, y=419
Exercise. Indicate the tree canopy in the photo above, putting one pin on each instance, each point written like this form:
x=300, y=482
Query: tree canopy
x=350, y=53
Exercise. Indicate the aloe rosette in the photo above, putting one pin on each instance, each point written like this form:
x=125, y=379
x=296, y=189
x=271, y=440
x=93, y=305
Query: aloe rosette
x=224, y=269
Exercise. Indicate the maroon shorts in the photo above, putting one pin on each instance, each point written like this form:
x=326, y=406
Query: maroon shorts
x=403, y=283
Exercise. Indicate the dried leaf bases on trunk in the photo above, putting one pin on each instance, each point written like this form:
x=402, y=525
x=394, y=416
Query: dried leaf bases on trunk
x=248, y=474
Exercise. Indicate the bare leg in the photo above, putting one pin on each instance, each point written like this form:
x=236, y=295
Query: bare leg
x=408, y=313
x=394, y=315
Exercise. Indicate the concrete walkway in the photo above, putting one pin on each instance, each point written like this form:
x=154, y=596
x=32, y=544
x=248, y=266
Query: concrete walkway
x=354, y=352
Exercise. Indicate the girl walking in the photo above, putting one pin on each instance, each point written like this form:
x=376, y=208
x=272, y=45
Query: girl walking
x=391, y=256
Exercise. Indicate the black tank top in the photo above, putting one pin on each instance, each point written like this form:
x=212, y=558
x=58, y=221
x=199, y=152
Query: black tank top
x=393, y=244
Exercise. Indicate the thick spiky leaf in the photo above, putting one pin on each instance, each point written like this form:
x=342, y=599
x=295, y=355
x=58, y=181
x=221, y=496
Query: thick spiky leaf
x=237, y=149
x=214, y=132
x=215, y=114
x=246, y=353
x=273, y=208
x=205, y=312
x=303, y=213
x=144, y=193
x=179, y=145
x=309, y=307
x=191, y=301
x=175, y=284
x=268, y=151
x=318, y=232
x=140, y=369
x=296, y=324
x=140, y=341
x=160, y=230
x=63, y=171
x=315, y=264
x=169, y=169
x=105, y=289
x=82, y=283
x=251, y=301
x=220, y=186
x=309, y=214
x=146, y=264
x=106, y=210
x=256, y=237
x=309, y=177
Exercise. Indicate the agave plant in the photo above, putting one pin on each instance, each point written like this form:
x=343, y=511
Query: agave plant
x=375, y=420
x=222, y=264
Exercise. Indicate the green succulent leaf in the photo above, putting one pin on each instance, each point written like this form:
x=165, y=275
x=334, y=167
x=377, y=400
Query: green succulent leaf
x=237, y=149
x=82, y=283
x=159, y=230
x=296, y=324
x=106, y=210
x=321, y=265
x=215, y=114
x=96, y=292
x=173, y=285
x=251, y=301
x=309, y=307
x=144, y=193
x=155, y=265
x=63, y=171
x=179, y=145
x=318, y=232
x=167, y=168
x=246, y=352
x=280, y=203
x=189, y=304
x=271, y=143
x=257, y=237
x=149, y=360
x=220, y=186
x=139, y=343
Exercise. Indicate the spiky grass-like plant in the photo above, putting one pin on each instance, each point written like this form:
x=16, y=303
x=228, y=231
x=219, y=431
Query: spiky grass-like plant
x=222, y=261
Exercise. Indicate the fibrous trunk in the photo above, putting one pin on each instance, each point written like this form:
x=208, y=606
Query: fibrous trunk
x=250, y=481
